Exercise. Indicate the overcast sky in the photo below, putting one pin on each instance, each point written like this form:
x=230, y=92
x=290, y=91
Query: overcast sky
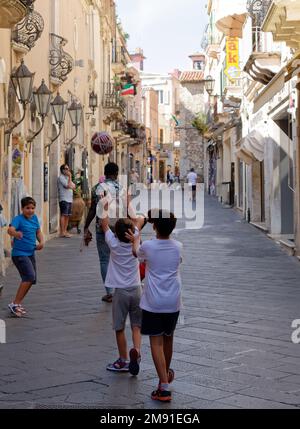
x=167, y=30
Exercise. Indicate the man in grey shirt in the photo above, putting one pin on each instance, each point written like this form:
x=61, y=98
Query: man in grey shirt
x=65, y=195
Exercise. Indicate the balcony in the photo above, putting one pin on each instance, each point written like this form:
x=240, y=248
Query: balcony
x=258, y=10
x=232, y=87
x=28, y=31
x=283, y=20
x=118, y=60
x=231, y=18
x=12, y=11
x=211, y=41
x=137, y=132
x=61, y=63
x=112, y=99
x=263, y=66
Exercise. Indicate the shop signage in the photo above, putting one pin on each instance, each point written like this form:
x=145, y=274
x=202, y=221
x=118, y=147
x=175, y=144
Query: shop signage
x=232, y=58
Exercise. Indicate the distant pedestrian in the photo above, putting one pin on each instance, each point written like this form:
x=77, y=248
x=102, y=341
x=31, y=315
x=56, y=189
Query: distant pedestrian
x=26, y=231
x=123, y=276
x=192, y=181
x=161, y=298
x=134, y=178
x=172, y=178
x=65, y=195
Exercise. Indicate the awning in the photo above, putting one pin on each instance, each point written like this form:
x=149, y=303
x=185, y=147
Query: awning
x=232, y=25
x=245, y=156
x=273, y=88
x=251, y=147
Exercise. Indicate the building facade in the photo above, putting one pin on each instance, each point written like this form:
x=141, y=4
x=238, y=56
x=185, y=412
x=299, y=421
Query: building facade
x=191, y=106
x=252, y=157
x=167, y=88
x=72, y=53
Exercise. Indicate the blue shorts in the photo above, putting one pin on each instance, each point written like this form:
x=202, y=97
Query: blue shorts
x=65, y=208
x=26, y=266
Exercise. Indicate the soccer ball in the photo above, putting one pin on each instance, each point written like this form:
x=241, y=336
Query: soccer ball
x=102, y=143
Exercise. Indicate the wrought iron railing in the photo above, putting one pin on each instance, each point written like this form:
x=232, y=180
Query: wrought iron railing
x=258, y=44
x=112, y=98
x=258, y=10
x=118, y=56
x=211, y=37
x=29, y=30
x=61, y=63
x=27, y=3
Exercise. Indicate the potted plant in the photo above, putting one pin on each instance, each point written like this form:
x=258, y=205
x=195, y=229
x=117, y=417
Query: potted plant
x=200, y=123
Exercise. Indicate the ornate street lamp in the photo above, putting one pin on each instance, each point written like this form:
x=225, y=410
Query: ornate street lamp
x=93, y=101
x=42, y=98
x=75, y=113
x=93, y=104
x=22, y=82
x=59, y=110
x=209, y=84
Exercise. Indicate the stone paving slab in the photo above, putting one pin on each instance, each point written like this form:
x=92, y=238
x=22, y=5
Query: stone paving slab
x=232, y=348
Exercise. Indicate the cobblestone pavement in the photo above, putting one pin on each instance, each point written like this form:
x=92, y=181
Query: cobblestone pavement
x=233, y=347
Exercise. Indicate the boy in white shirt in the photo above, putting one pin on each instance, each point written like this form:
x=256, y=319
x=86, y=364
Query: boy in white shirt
x=161, y=298
x=124, y=277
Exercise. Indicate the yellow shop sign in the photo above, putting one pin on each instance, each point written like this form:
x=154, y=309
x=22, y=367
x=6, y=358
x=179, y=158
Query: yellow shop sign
x=232, y=58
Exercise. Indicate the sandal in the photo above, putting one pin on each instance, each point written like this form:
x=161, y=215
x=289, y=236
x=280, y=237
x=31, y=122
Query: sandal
x=107, y=298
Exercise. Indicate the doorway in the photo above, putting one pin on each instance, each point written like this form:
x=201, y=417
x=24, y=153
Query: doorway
x=162, y=168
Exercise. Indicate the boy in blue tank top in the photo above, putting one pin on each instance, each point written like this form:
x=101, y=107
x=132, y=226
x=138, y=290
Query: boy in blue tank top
x=25, y=230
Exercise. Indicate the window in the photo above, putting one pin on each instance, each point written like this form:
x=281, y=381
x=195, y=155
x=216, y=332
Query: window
x=161, y=136
x=160, y=96
x=199, y=65
x=167, y=101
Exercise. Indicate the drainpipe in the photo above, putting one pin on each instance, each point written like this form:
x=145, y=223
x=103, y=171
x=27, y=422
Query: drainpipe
x=298, y=170
x=248, y=216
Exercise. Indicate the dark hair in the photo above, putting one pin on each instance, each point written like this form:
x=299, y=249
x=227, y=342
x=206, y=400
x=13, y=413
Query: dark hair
x=163, y=220
x=123, y=226
x=63, y=167
x=26, y=201
x=192, y=169
x=111, y=170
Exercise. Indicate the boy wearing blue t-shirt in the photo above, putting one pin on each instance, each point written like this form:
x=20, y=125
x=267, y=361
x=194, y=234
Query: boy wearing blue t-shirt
x=26, y=231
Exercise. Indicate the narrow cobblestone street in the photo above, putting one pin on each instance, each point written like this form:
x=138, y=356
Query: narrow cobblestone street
x=233, y=346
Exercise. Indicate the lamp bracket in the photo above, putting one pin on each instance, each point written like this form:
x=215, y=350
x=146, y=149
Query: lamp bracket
x=31, y=138
x=10, y=130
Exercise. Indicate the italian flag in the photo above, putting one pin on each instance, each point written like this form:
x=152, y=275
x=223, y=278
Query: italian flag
x=175, y=120
x=127, y=89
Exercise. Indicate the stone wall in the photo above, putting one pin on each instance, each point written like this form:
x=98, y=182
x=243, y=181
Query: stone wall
x=192, y=143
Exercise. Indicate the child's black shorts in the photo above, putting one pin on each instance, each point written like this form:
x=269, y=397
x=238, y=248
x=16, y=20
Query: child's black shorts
x=26, y=266
x=157, y=324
